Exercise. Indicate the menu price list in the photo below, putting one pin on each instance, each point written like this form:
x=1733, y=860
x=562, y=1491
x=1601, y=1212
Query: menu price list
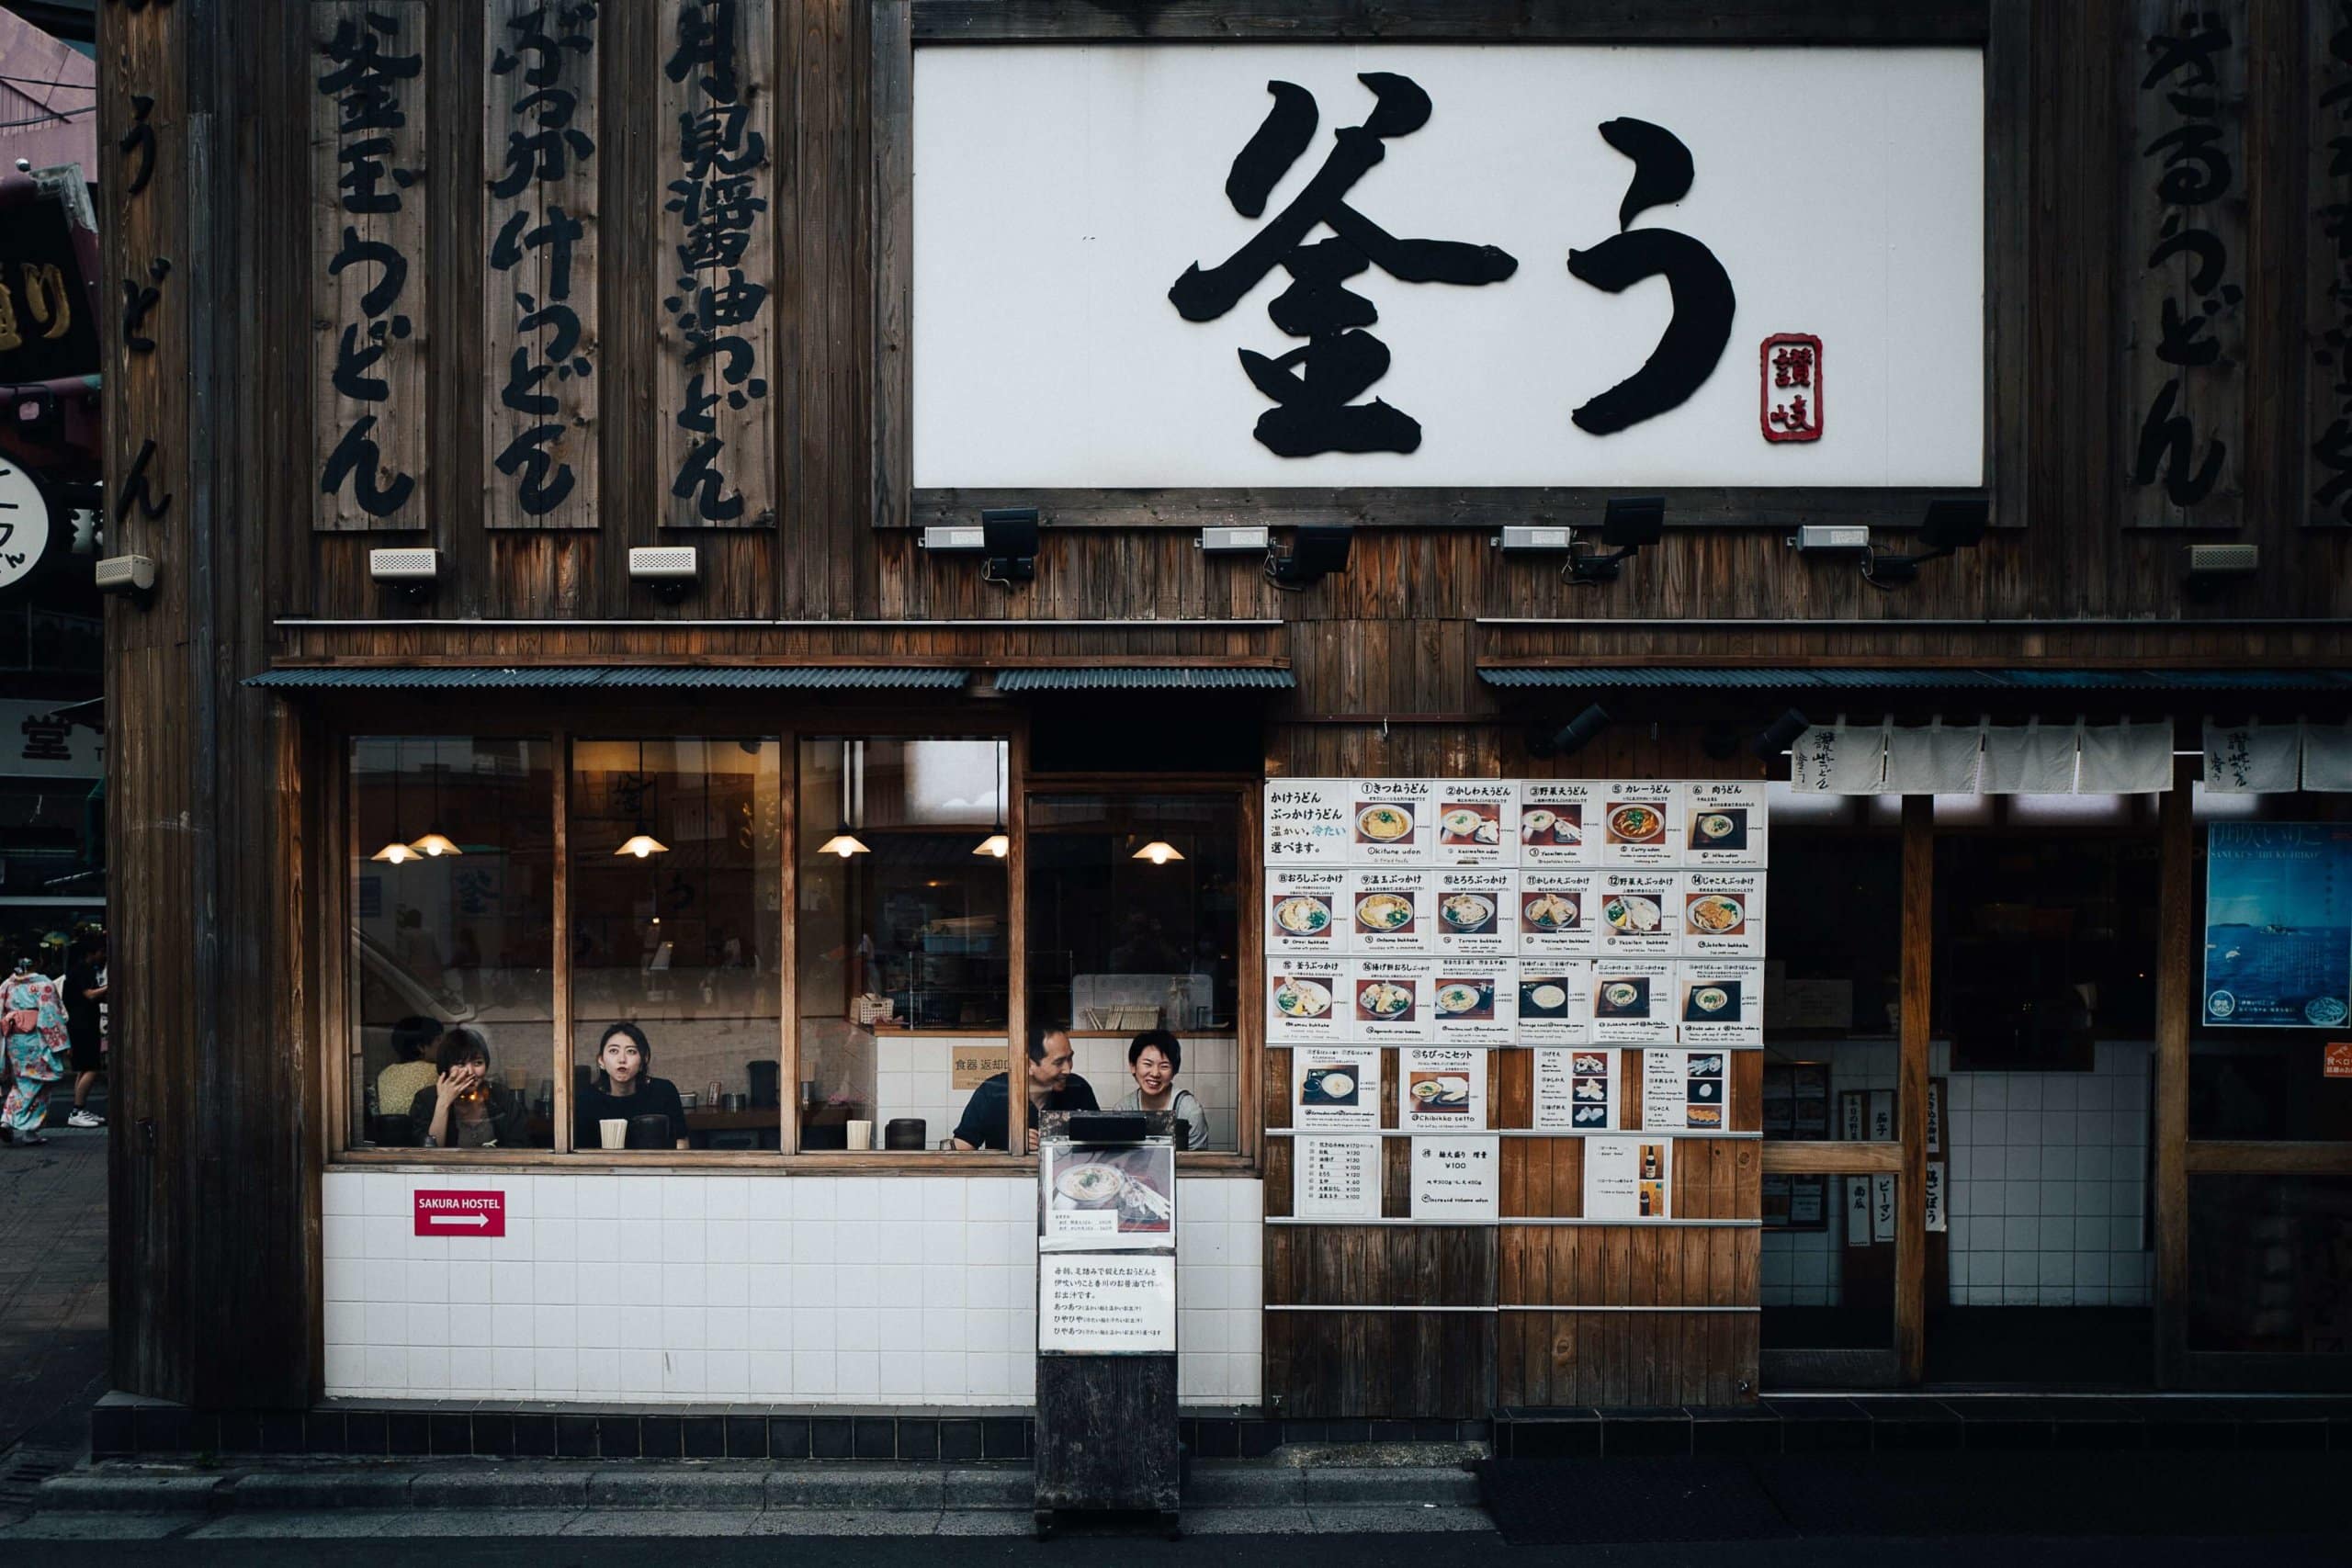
x=1095, y=1305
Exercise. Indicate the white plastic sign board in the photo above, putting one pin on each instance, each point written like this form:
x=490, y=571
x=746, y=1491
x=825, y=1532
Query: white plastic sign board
x=1641, y=823
x=1335, y=1087
x=1576, y=1088
x=1099, y=1304
x=1441, y=1090
x=1473, y=911
x=1306, y=910
x=1338, y=1177
x=1638, y=913
x=1559, y=823
x=1720, y=914
x=1475, y=1002
x=1628, y=1178
x=1632, y=1000
x=1392, y=822
x=1392, y=911
x=1392, y=1001
x=1307, y=821
x=1723, y=825
x=1554, y=1001
x=1719, y=1002
x=1556, y=914
x=1303, y=1002
x=1456, y=1177
x=1477, y=822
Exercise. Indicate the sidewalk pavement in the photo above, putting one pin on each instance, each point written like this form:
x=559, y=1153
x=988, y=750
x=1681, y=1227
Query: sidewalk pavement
x=52, y=1290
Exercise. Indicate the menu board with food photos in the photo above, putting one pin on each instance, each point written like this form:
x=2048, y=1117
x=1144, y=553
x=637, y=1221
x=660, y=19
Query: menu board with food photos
x=1557, y=913
x=1684, y=1090
x=1641, y=823
x=1441, y=1091
x=1335, y=1087
x=1632, y=1000
x=1306, y=910
x=1723, y=824
x=1476, y=1001
x=1559, y=822
x=1722, y=914
x=1390, y=1002
x=1575, y=1089
x=1303, y=1002
x=1475, y=911
x=1391, y=911
x=1393, y=821
x=1719, y=1002
x=1477, y=822
x=1554, y=1001
x=1639, y=913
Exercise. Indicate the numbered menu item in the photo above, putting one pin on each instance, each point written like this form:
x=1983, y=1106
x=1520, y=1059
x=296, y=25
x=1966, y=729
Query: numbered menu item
x=1306, y=910
x=1309, y=821
x=1474, y=910
x=1722, y=913
x=1639, y=912
x=1477, y=822
x=1338, y=1178
x=1641, y=823
x=1093, y=1304
x=1556, y=911
x=1476, y=1001
x=1719, y=1003
x=1335, y=1086
x=1628, y=1178
x=1686, y=1090
x=1441, y=1091
x=1575, y=1089
x=1104, y=1200
x=1390, y=911
x=1554, y=1001
x=1393, y=822
x=1457, y=1178
x=1559, y=822
x=1723, y=824
x=1303, y=1002
x=1633, y=1002
x=1390, y=1000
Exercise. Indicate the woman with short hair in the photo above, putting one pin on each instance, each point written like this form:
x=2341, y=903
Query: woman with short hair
x=1153, y=1060
x=463, y=1108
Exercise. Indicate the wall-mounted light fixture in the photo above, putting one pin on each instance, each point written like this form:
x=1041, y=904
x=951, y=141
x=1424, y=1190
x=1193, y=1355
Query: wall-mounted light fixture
x=1627, y=524
x=1543, y=742
x=1232, y=541
x=1831, y=539
x=412, y=575
x=669, y=570
x=1316, y=550
x=1953, y=522
x=1008, y=535
x=2210, y=569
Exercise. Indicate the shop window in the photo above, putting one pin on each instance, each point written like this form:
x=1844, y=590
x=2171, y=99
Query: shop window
x=1834, y=1007
x=902, y=934
x=453, y=917
x=2271, y=1264
x=676, y=919
x=1134, y=909
x=1825, y=1277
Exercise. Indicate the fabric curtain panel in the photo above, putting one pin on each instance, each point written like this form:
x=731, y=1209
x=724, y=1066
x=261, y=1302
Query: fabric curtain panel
x=2129, y=758
x=2253, y=759
x=1839, y=758
x=2034, y=758
x=1937, y=759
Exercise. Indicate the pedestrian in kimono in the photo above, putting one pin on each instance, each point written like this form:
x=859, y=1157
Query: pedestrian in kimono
x=32, y=1037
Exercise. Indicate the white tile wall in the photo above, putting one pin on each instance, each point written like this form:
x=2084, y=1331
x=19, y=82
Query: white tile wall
x=914, y=1078
x=2046, y=1180
x=789, y=1290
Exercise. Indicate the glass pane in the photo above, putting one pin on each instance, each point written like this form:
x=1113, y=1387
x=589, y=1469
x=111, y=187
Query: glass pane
x=2270, y=1263
x=2275, y=939
x=902, y=934
x=453, y=921
x=1134, y=925
x=676, y=911
x=1827, y=1273
x=1833, y=1004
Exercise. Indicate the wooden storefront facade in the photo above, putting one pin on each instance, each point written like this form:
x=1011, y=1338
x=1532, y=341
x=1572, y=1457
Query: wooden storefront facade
x=229, y=395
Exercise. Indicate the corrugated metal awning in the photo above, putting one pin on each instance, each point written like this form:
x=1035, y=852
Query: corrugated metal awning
x=800, y=678
x=1161, y=677
x=1523, y=677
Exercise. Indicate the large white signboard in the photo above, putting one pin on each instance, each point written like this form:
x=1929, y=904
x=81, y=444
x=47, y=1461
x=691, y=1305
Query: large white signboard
x=1061, y=194
x=1092, y=1304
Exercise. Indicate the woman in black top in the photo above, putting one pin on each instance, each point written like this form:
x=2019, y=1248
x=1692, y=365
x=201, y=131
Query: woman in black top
x=463, y=1108
x=625, y=1090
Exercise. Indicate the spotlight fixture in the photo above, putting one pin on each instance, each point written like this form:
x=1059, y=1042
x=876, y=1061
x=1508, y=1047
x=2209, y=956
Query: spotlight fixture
x=1628, y=522
x=1570, y=738
x=1953, y=522
x=668, y=569
x=1160, y=851
x=1008, y=535
x=1830, y=539
x=1779, y=735
x=1316, y=550
x=412, y=575
x=1532, y=538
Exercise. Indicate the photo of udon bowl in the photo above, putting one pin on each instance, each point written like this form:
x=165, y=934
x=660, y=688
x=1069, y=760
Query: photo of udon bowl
x=1441, y=1091
x=1636, y=824
x=1302, y=999
x=1303, y=916
x=1459, y=998
x=1622, y=996
x=1384, y=999
x=1549, y=912
x=1715, y=914
x=1384, y=911
x=1542, y=998
x=1466, y=911
x=1470, y=825
x=1091, y=1186
x=1385, y=824
x=1634, y=913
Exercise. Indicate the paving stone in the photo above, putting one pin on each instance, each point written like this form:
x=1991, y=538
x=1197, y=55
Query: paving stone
x=1364, y=1520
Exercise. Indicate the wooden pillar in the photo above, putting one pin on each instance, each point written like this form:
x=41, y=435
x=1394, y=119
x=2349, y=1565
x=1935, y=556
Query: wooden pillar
x=1911, y=1085
x=2177, y=957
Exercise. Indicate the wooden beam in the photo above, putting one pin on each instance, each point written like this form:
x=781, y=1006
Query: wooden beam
x=1451, y=21
x=1911, y=1080
x=2175, y=992
x=2222, y=1157
x=1831, y=1159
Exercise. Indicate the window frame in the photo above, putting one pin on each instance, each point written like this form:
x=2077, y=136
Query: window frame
x=335, y=1011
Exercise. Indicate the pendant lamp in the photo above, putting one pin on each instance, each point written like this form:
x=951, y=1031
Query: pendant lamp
x=641, y=843
x=396, y=852
x=435, y=842
x=998, y=843
x=843, y=842
x=1160, y=851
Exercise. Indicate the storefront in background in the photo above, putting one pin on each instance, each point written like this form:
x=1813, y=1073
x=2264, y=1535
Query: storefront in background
x=1684, y=847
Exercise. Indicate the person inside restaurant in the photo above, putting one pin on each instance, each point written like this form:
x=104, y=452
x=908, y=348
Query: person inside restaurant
x=1052, y=1087
x=462, y=1108
x=625, y=1090
x=1153, y=1060
x=411, y=1071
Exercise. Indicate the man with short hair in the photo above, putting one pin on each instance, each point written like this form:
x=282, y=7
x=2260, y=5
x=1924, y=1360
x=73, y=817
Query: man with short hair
x=988, y=1115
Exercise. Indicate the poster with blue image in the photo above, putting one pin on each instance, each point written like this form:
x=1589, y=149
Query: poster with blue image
x=2278, y=924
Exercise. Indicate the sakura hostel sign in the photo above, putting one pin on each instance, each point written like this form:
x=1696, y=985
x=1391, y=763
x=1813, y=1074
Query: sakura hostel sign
x=1197, y=266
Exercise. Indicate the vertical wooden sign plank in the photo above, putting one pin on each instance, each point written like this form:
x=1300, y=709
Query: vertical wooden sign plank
x=368, y=110
x=2185, y=226
x=539, y=306
x=2327, y=430
x=717, y=128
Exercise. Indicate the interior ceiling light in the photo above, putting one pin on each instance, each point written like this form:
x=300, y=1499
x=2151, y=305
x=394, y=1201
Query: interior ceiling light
x=1160, y=851
x=843, y=842
x=396, y=852
x=436, y=843
x=641, y=843
x=998, y=844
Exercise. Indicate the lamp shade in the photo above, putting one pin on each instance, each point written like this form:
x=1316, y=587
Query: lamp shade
x=436, y=843
x=642, y=845
x=1160, y=851
x=996, y=844
x=844, y=844
x=395, y=853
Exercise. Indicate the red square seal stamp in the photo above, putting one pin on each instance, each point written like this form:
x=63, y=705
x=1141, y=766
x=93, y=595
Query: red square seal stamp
x=1790, y=406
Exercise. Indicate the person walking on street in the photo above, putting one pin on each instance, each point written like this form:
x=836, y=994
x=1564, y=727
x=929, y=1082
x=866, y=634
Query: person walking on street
x=86, y=995
x=33, y=1038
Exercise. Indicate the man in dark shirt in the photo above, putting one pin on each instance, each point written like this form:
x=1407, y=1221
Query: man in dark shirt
x=1052, y=1087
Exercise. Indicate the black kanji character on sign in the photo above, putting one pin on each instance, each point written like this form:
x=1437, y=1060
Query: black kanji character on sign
x=1703, y=303
x=138, y=145
x=1315, y=386
x=45, y=739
